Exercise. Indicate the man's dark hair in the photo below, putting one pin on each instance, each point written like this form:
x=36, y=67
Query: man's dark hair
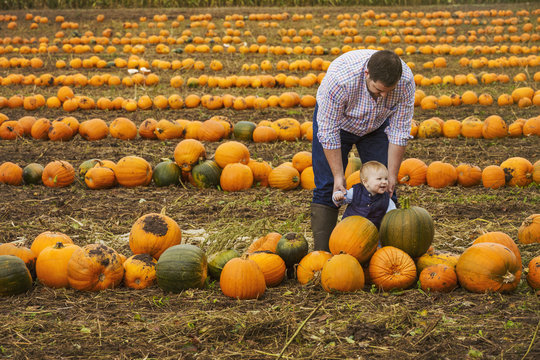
x=385, y=66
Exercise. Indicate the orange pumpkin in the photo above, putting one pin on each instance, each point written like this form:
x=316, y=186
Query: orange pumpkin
x=133, y=171
x=494, y=127
x=58, y=174
x=529, y=231
x=139, y=271
x=440, y=174
x=231, y=152
x=40, y=129
x=412, y=172
x=11, y=174
x=99, y=177
x=51, y=264
x=342, y=273
x=236, y=177
x=356, y=236
x=147, y=129
x=153, y=234
x=189, y=152
x=123, y=128
x=288, y=129
x=211, y=130
x=391, y=268
x=260, y=169
x=533, y=276
x=500, y=238
x=95, y=267
x=265, y=243
x=493, y=177
x=301, y=160
x=48, y=238
x=488, y=267
x=241, y=278
x=93, y=129
x=468, y=175
x=23, y=253
x=518, y=171
x=272, y=266
x=284, y=177
x=311, y=265
x=438, y=278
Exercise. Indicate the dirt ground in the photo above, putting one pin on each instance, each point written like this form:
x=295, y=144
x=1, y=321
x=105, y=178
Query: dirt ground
x=289, y=321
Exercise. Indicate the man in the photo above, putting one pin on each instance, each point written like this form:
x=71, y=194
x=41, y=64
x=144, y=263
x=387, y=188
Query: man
x=365, y=99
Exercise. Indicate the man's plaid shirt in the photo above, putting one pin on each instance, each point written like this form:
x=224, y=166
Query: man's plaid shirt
x=345, y=103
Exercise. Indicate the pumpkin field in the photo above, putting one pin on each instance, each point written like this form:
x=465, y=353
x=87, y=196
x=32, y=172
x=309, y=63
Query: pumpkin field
x=156, y=180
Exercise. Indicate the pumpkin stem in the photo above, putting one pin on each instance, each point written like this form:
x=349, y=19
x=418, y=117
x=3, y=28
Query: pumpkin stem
x=59, y=245
x=405, y=179
x=509, y=278
x=404, y=203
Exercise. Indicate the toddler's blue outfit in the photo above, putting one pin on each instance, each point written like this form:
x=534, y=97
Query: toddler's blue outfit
x=361, y=202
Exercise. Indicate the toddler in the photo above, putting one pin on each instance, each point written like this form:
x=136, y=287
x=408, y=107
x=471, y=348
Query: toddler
x=368, y=198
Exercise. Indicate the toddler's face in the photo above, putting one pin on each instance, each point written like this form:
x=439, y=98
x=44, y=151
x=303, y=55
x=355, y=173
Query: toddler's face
x=376, y=182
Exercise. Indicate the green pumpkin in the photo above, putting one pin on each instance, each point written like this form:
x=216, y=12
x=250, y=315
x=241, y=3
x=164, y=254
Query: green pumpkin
x=85, y=166
x=206, y=174
x=166, y=173
x=292, y=247
x=14, y=276
x=217, y=261
x=410, y=229
x=243, y=130
x=181, y=267
x=32, y=173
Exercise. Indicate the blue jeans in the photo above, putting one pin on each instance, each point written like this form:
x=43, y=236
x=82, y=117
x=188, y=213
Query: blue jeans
x=372, y=146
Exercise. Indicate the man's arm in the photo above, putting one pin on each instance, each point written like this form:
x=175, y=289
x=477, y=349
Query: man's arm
x=336, y=165
x=395, y=155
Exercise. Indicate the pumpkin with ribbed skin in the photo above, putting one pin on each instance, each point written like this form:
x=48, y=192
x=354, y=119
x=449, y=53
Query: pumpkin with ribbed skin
x=58, y=173
x=95, y=267
x=236, y=177
x=272, y=266
x=85, y=166
x=133, y=171
x=181, y=267
x=264, y=134
x=189, y=152
x=241, y=278
x=529, y=231
x=292, y=247
x=260, y=169
x=493, y=177
x=518, y=171
x=166, y=173
x=93, y=129
x=355, y=235
x=123, y=128
x=14, y=276
x=153, y=234
x=412, y=172
x=32, y=173
x=391, y=268
x=438, y=278
x=410, y=229
x=533, y=276
x=265, y=243
x=211, y=130
x=436, y=257
x=139, y=271
x=488, y=267
x=243, y=130
x=342, y=273
x=52, y=263
x=311, y=265
x=205, y=174
x=302, y=160
x=307, y=179
x=284, y=177
x=217, y=261
x=288, y=129
x=494, y=127
x=440, y=174
x=11, y=173
x=231, y=152
x=23, y=253
x=48, y=238
x=468, y=175
x=499, y=237
x=99, y=177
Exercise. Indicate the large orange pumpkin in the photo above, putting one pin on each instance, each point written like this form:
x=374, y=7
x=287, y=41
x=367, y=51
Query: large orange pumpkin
x=133, y=171
x=354, y=235
x=153, y=234
x=58, y=173
x=518, y=171
x=95, y=267
x=391, y=268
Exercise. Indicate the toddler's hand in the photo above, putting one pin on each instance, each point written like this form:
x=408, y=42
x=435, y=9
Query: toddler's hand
x=339, y=198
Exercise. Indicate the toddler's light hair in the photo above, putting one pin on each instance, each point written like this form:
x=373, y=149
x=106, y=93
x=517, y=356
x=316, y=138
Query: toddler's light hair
x=371, y=167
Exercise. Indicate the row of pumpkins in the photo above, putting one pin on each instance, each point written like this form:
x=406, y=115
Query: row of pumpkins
x=491, y=263
x=220, y=127
x=233, y=169
x=214, y=129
